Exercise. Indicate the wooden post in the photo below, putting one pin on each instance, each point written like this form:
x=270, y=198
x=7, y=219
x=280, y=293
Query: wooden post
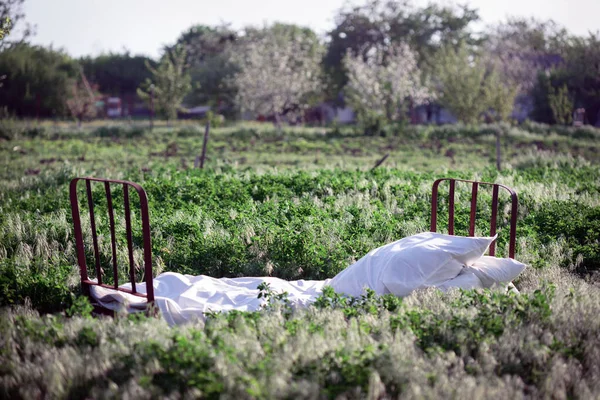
x=380, y=161
x=202, y=158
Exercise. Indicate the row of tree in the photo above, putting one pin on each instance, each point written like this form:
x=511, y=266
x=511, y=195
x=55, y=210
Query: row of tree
x=384, y=59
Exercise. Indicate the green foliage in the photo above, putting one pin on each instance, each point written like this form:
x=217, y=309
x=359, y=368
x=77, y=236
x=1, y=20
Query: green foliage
x=81, y=307
x=215, y=120
x=500, y=97
x=210, y=70
x=469, y=87
x=5, y=27
x=45, y=289
x=169, y=85
x=367, y=303
x=542, y=112
x=116, y=132
x=573, y=83
x=371, y=123
x=463, y=83
x=431, y=345
x=578, y=224
x=359, y=29
x=561, y=105
x=266, y=217
x=36, y=80
x=117, y=74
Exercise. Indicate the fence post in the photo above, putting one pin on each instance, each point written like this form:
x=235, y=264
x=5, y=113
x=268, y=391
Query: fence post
x=206, y=130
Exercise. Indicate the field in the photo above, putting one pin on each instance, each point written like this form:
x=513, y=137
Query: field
x=302, y=203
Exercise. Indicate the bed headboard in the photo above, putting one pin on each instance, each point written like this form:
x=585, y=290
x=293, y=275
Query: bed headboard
x=474, y=191
x=145, y=219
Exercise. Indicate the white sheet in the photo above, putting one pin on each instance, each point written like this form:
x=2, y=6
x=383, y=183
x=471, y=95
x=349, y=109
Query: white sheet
x=182, y=298
x=419, y=261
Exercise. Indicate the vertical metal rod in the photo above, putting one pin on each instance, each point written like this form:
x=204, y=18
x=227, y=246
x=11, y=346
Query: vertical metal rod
x=111, y=218
x=494, y=219
x=451, y=208
x=147, y=244
x=513, y=225
x=434, y=202
x=88, y=187
x=129, y=236
x=473, y=209
x=78, y=234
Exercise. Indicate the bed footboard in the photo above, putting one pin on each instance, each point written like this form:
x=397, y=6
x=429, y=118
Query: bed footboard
x=473, y=210
x=86, y=282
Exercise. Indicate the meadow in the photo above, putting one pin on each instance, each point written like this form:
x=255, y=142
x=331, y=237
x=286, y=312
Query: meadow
x=303, y=203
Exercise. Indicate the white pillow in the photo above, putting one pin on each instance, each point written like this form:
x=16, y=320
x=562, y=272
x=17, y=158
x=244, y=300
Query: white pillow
x=418, y=261
x=465, y=280
x=492, y=270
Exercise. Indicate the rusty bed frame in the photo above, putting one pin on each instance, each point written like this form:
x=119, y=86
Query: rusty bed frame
x=87, y=283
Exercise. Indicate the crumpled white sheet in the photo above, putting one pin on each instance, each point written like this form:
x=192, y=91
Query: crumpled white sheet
x=418, y=261
x=183, y=298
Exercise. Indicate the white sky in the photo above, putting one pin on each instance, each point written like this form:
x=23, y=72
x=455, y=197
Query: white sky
x=90, y=27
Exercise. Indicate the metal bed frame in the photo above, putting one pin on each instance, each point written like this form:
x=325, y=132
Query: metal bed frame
x=86, y=283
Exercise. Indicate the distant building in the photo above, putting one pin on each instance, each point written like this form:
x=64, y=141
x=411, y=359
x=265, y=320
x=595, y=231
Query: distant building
x=197, y=112
x=113, y=107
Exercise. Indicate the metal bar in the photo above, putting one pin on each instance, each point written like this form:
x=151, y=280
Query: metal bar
x=514, y=209
x=147, y=242
x=91, y=283
x=494, y=218
x=434, y=203
x=129, y=236
x=513, y=224
x=111, y=219
x=78, y=234
x=88, y=187
x=473, y=209
x=451, y=207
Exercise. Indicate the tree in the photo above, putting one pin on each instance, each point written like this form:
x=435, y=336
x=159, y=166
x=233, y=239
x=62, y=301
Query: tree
x=581, y=73
x=279, y=70
x=381, y=24
x=211, y=72
x=385, y=82
x=500, y=95
x=82, y=99
x=169, y=84
x=561, y=105
x=117, y=74
x=37, y=80
x=521, y=48
x=470, y=87
x=5, y=27
x=11, y=11
x=460, y=80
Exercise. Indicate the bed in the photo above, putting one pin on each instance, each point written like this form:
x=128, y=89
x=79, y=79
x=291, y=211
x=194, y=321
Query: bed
x=140, y=296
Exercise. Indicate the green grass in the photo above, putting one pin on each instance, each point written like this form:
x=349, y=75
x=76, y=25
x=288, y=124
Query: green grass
x=301, y=204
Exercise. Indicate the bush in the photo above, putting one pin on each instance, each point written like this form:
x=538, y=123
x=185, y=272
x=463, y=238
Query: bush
x=117, y=132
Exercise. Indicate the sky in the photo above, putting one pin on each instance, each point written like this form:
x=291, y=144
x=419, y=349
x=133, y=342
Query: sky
x=91, y=27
